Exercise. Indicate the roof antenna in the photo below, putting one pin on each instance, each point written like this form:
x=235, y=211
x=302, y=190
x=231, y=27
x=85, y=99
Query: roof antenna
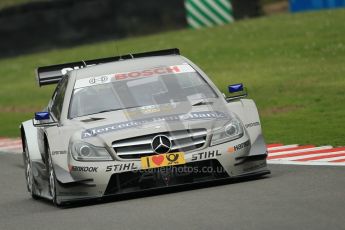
x=131, y=56
x=84, y=63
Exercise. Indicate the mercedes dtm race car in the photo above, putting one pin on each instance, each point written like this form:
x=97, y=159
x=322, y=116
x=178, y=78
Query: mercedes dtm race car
x=137, y=122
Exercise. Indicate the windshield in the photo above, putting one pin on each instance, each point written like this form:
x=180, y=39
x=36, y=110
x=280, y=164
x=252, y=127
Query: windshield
x=136, y=89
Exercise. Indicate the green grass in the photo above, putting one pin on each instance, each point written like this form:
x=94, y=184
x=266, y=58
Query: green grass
x=293, y=66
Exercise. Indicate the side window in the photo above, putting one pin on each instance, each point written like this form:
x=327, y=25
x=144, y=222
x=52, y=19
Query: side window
x=58, y=98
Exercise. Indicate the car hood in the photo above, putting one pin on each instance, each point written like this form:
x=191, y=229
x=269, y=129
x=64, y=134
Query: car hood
x=104, y=128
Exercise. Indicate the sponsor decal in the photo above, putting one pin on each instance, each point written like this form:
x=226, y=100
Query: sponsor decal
x=59, y=152
x=91, y=81
x=205, y=115
x=148, y=109
x=121, y=167
x=238, y=147
x=83, y=169
x=149, y=72
x=153, y=72
x=98, y=80
x=253, y=124
x=206, y=155
x=231, y=149
x=168, y=159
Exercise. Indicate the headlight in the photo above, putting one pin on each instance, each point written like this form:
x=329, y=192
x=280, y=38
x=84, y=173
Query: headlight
x=82, y=151
x=231, y=131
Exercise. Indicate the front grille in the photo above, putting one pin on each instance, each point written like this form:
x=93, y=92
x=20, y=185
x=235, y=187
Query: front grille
x=182, y=140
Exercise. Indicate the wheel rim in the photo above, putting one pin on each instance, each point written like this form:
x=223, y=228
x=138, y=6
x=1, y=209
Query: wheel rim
x=29, y=176
x=51, y=179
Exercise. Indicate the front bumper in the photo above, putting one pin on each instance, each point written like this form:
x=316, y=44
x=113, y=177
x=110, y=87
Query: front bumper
x=224, y=161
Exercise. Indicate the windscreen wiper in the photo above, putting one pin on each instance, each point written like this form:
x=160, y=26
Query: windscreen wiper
x=111, y=110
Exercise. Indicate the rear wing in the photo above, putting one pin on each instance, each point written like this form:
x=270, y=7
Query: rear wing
x=52, y=74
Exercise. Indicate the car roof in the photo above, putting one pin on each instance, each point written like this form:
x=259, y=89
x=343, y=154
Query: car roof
x=129, y=65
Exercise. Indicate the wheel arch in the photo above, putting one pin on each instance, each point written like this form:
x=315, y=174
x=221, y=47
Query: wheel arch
x=30, y=134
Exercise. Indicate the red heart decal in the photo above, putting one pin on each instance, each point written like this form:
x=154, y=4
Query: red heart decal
x=158, y=159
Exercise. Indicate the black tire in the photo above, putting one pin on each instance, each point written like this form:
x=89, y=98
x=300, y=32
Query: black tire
x=30, y=182
x=52, y=178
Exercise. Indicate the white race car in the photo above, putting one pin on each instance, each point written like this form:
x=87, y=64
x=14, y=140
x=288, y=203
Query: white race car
x=137, y=122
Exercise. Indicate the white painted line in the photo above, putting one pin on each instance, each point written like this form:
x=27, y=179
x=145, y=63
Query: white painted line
x=285, y=162
x=300, y=150
x=282, y=147
x=9, y=147
x=11, y=150
x=311, y=155
x=330, y=159
x=12, y=147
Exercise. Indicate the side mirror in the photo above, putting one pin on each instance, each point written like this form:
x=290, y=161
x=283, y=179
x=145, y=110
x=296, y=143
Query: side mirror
x=236, y=91
x=43, y=119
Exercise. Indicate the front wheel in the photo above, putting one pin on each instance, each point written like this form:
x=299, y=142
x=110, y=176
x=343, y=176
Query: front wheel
x=28, y=173
x=52, y=179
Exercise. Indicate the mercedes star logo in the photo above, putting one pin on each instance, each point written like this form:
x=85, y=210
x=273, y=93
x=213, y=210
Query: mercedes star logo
x=161, y=144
